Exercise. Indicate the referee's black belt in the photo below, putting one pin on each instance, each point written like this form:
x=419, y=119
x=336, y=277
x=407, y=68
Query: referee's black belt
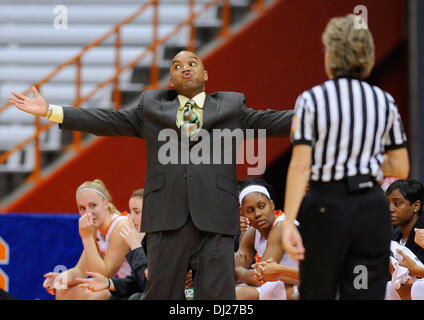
x=353, y=184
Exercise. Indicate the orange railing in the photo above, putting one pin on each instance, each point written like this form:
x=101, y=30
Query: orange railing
x=258, y=5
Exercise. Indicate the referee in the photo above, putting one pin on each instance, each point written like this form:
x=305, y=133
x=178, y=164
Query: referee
x=346, y=134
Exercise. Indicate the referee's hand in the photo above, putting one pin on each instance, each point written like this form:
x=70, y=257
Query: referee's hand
x=292, y=241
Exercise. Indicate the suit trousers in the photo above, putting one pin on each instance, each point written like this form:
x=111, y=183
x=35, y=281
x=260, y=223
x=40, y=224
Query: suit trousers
x=172, y=253
x=346, y=237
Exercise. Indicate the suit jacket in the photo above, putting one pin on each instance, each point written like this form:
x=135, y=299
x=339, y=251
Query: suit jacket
x=207, y=191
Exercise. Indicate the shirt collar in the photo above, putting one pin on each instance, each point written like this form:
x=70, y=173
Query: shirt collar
x=199, y=99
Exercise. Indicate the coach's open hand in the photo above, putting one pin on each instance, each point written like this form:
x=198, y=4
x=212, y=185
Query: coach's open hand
x=37, y=106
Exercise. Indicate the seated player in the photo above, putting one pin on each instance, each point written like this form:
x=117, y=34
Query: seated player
x=262, y=241
x=104, y=249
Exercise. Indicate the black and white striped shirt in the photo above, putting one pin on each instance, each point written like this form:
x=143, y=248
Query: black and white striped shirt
x=349, y=124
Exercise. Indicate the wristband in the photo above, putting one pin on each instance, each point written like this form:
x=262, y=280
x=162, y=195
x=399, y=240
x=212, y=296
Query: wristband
x=108, y=281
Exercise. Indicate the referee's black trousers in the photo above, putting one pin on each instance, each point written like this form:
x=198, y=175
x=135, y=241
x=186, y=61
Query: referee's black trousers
x=347, y=243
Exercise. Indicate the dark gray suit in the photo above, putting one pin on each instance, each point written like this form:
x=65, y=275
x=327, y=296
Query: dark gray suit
x=173, y=192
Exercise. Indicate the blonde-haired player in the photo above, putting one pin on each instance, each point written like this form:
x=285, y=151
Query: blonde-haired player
x=104, y=250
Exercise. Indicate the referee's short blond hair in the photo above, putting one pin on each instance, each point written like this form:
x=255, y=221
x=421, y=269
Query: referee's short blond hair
x=349, y=46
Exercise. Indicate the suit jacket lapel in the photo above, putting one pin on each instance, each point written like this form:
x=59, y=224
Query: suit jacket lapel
x=210, y=111
x=169, y=110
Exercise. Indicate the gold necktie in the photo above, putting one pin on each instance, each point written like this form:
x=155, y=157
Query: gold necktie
x=191, y=121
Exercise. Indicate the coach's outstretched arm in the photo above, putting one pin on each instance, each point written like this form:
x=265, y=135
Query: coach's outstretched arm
x=98, y=121
x=37, y=106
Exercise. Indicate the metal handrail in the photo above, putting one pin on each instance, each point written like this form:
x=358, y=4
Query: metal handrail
x=154, y=70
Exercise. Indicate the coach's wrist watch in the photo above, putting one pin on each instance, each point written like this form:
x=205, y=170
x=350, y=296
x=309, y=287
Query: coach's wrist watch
x=54, y=113
x=49, y=112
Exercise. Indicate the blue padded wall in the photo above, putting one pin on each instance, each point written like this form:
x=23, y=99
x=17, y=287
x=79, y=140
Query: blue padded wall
x=37, y=244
